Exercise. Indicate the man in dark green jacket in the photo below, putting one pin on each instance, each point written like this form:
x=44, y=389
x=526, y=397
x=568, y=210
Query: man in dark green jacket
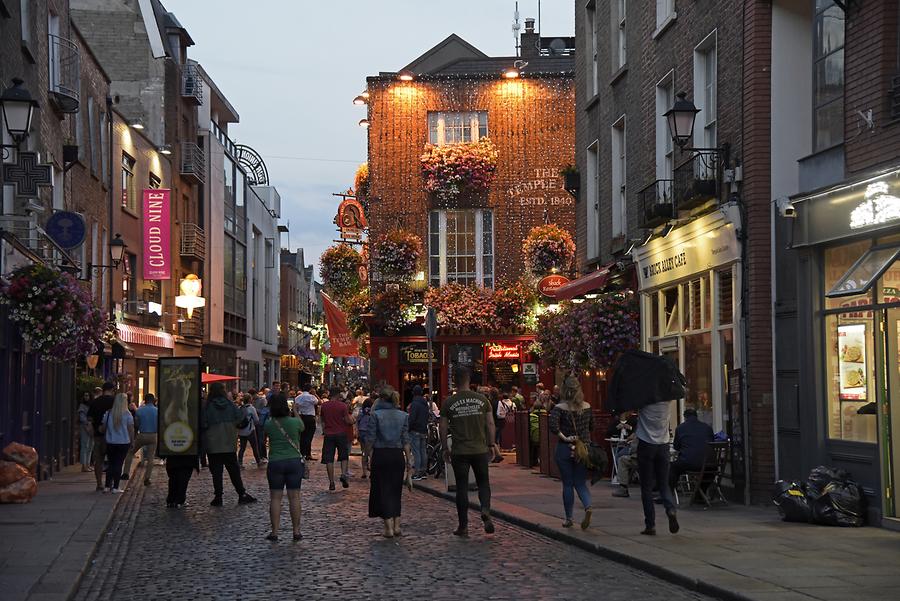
x=220, y=420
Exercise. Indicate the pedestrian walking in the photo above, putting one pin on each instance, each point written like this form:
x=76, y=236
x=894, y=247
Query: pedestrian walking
x=365, y=443
x=85, y=436
x=146, y=424
x=179, y=469
x=220, y=420
x=261, y=404
x=571, y=420
x=388, y=428
x=118, y=431
x=99, y=406
x=335, y=417
x=285, y=468
x=505, y=408
x=247, y=430
x=467, y=417
x=305, y=408
x=418, y=432
x=653, y=463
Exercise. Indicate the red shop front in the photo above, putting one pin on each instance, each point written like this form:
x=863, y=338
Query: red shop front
x=496, y=360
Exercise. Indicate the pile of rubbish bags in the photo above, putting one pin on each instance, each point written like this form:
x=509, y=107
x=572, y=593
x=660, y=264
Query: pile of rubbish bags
x=829, y=497
x=18, y=466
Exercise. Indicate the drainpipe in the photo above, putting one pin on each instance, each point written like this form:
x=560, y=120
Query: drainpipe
x=773, y=267
x=111, y=206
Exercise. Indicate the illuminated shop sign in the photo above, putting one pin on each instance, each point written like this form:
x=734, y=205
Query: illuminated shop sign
x=878, y=207
x=503, y=351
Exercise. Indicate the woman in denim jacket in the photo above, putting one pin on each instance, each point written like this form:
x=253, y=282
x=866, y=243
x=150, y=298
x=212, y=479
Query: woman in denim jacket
x=388, y=433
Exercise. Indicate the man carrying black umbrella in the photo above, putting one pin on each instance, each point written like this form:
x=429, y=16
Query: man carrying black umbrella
x=653, y=463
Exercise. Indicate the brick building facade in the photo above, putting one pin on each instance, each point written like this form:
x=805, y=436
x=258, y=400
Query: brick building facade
x=455, y=93
x=694, y=224
x=835, y=175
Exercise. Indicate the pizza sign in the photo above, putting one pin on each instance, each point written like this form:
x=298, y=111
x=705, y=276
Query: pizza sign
x=551, y=283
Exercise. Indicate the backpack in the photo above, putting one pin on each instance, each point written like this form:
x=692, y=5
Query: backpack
x=362, y=425
x=503, y=408
x=246, y=421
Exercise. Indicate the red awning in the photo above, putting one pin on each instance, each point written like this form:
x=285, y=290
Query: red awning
x=592, y=282
x=206, y=378
x=145, y=336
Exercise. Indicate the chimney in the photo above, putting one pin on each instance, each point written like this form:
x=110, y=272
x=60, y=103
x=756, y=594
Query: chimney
x=530, y=41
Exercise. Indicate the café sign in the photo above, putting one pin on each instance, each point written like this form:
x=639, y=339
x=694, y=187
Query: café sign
x=551, y=283
x=503, y=351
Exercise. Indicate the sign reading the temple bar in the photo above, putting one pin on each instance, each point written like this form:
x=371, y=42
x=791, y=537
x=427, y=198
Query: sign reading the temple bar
x=503, y=351
x=351, y=219
x=157, y=259
x=551, y=283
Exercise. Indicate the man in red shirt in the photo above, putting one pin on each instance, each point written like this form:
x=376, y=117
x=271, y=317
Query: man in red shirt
x=335, y=417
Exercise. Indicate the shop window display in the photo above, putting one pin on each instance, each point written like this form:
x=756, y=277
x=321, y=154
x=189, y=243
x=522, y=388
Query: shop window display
x=850, y=373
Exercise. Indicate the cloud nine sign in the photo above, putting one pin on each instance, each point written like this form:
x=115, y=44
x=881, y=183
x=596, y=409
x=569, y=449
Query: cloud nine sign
x=157, y=225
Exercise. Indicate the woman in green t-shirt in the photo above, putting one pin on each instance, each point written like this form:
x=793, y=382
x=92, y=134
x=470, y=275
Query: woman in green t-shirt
x=285, y=469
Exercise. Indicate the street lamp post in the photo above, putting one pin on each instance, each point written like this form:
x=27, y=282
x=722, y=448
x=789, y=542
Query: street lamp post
x=681, y=119
x=17, y=107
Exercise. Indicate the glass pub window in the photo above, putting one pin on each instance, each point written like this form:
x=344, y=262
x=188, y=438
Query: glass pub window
x=447, y=127
x=828, y=75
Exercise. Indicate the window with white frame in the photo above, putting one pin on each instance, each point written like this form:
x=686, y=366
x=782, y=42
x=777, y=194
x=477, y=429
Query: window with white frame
x=593, y=50
x=461, y=247
x=619, y=188
x=592, y=199
x=665, y=10
x=617, y=21
x=665, y=152
x=705, y=84
x=454, y=127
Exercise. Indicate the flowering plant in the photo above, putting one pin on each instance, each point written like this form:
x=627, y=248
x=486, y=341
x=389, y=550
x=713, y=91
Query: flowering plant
x=393, y=309
x=590, y=334
x=514, y=304
x=355, y=307
x=396, y=255
x=339, y=267
x=55, y=313
x=456, y=169
x=547, y=248
x=460, y=306
x=361, y=181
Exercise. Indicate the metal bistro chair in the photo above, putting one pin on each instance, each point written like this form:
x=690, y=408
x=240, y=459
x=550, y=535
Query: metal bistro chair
x=706, y=485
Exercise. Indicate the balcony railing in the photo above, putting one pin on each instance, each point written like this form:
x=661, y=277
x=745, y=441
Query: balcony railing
x=697, y=180
x=26, y=236
x=192, y=84
x=193, y=162
x=657, y=204
x=64, y=62
x=193, y=241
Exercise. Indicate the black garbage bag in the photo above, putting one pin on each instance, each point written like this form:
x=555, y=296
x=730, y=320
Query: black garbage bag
x=792, y=502
x=841, y=504
x=820, y=477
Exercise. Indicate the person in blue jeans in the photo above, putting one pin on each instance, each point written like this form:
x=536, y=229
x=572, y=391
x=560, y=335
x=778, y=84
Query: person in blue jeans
x=572, y=420
x=653, y=464
x=418, y=432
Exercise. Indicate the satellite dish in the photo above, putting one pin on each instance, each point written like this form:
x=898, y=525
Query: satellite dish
x=257, y=174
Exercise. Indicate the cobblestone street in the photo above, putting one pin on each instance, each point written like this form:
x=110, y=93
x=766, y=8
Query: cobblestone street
x=202, y=552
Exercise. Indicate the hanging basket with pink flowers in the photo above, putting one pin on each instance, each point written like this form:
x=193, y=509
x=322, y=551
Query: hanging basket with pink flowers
x=396, y=255
x=456, y=170
x=339, y=268
x=548, y=249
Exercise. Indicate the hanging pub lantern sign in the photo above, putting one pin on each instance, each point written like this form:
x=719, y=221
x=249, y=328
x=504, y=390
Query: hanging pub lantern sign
x=351, y=219
x=191, y=295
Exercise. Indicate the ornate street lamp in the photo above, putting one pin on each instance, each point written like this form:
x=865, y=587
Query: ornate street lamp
x=681, y=118
x=117, y=250
x=17, y=107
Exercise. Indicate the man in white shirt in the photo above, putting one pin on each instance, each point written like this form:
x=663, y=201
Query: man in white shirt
x=305, y=408
x=653, y=463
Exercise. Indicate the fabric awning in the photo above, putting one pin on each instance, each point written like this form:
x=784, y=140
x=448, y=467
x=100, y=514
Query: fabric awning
x=145, y=336
x=592, y=282
x=206, y=378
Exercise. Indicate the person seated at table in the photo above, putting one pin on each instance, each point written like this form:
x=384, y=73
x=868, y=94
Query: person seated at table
x=691, y=439
x=626, y=465
x=622, y=426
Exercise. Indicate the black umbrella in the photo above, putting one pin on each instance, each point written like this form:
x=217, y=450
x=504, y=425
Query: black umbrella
x=641, y=379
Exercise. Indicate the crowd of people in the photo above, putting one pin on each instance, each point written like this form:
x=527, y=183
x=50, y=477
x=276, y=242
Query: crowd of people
x=279, y=424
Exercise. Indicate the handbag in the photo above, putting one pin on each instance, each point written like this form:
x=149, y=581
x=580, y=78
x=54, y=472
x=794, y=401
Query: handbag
x=579, y=448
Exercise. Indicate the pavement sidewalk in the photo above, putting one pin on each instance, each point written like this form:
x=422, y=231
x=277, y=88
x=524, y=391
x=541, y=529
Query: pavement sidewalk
x=734, y=552
x=46, y=545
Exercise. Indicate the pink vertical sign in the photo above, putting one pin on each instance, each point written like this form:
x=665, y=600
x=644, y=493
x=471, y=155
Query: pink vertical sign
x=157, y=249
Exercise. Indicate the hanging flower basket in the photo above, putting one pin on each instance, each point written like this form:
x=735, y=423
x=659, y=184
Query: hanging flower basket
x=588, y=335
x=55, y=314
x=456, y=170
x=361, y=182
x=393, y=309
x=396, y=255
x=355, y=308
x=464, y=307
x=548, y=249
x=339, y=268
x=514, y=306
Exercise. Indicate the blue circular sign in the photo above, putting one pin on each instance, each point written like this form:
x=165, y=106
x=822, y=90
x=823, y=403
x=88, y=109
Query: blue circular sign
x=66, y=229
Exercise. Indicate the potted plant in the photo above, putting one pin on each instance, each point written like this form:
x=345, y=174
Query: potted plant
x=396, y=255
x=572, y=179
x=339, y=268
x=548, y=249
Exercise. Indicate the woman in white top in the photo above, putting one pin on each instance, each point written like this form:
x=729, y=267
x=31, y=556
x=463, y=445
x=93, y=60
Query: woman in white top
x=118, y=430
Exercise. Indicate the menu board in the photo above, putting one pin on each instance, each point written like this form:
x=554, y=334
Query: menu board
x=852, y=362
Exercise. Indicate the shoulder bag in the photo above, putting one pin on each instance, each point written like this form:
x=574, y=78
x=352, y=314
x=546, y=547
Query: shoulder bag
x=580, y=448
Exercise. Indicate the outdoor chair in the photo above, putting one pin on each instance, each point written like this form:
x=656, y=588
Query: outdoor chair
x=706, y=484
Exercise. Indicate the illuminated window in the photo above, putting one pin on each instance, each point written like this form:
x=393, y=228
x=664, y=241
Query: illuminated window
x=461, y=247
x=129, y=187
x=456, y=127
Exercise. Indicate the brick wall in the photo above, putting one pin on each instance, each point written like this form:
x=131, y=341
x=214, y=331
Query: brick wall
x=871, y=62
x=530, y=120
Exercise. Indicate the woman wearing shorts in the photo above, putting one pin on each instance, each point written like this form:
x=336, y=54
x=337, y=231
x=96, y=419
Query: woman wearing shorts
x=285, y=469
